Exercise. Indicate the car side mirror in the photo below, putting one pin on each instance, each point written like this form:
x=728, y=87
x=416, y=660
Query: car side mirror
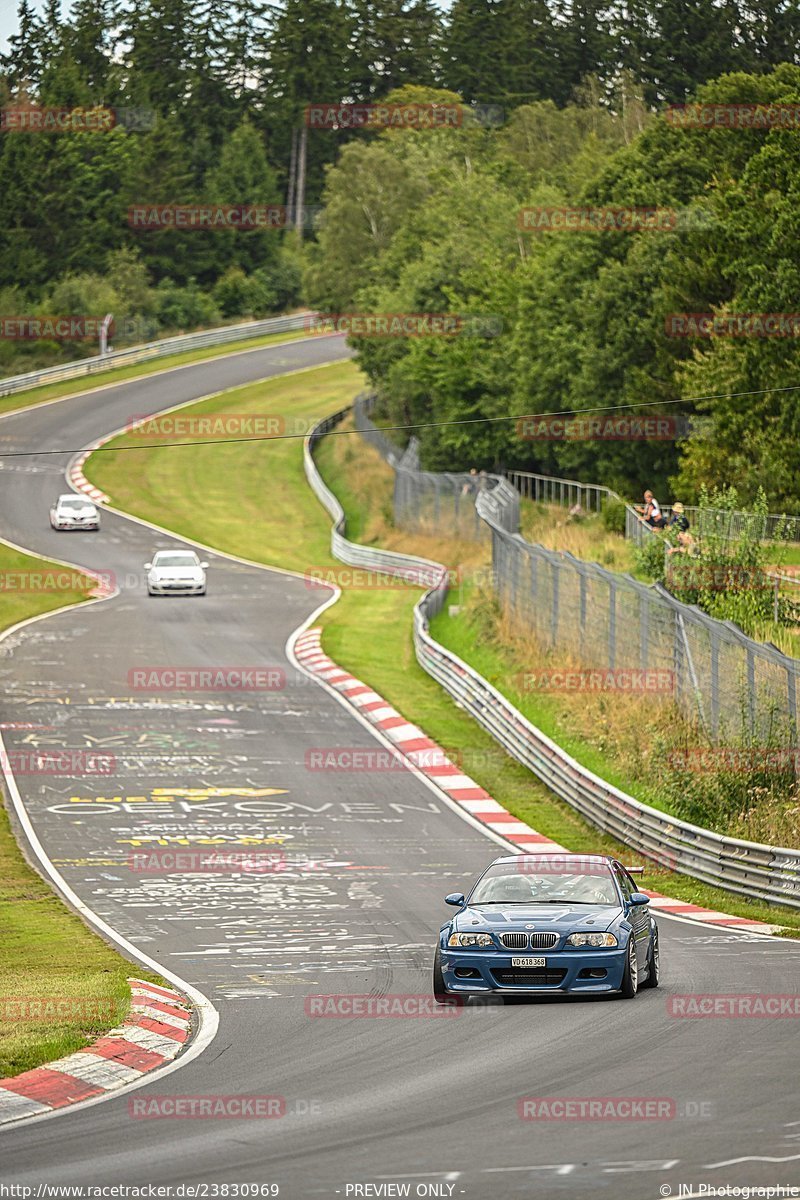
x=204, y=566
x=455, y=898
x=639, y=898
x=147, y=566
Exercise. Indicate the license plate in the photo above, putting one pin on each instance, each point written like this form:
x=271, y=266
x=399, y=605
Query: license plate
x=529, y=962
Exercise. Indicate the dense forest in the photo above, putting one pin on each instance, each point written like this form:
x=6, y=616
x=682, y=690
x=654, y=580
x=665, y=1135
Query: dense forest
x=210, y=104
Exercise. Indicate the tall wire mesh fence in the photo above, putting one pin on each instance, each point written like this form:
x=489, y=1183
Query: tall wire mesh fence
x=735, y=686
x=436, y=501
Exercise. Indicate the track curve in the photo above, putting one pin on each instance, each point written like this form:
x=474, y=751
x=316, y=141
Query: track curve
x=404, y=1101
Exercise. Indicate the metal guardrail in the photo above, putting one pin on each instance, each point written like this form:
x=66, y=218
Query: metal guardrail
x=746, y=868
x=153, y=350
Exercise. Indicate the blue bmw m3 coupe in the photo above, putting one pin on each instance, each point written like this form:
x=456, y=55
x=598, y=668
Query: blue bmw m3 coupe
x=548, y=923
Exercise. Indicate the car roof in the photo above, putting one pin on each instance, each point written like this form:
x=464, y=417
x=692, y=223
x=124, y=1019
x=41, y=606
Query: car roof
x=74, y=496
x=177, y=550
x=550, y=855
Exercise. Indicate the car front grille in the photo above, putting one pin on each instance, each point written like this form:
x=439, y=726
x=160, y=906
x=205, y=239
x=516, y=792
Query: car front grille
x=529, y=976
x=514, y=941
x=536, y=941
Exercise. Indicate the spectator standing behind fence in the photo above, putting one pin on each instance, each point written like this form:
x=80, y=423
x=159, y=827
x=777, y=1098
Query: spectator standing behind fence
x=470, y=485
x=678, y=522
x=651, y=511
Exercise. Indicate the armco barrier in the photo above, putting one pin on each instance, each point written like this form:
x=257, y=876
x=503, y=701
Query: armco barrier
x=747, y=868
x=151, y=350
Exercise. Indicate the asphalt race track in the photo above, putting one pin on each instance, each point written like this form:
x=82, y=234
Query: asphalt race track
x=420, y=1101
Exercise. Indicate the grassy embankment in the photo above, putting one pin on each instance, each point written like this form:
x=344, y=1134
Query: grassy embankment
x=277, y=520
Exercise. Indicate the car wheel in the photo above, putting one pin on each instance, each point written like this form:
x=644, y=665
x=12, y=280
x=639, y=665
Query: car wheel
x=440, y=992
x=630, y=976
x=653, y=966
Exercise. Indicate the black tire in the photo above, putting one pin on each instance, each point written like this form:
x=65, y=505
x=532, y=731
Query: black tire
x=440, y=992
x=630, y=976
x=653, y=964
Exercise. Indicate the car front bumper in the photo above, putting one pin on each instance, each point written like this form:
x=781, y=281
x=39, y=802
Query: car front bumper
x=565, y=971
x=176, y=589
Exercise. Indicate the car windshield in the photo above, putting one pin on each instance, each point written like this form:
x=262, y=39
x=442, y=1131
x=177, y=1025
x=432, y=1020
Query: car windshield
x=175, y=560
x=525, y=882
x=75, y=502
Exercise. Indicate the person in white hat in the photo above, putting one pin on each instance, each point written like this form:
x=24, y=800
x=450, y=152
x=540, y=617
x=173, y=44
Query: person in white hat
x=678, y=522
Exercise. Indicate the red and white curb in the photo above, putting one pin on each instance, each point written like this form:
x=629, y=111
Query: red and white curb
x=154, y=1032
x=431, y=760
x=79, y=481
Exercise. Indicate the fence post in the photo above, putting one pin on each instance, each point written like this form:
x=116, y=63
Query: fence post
x=714, y=684
x=644, y=628
x=612, y=624
x=583, y=608
x=791, y=682
x=751, y=690
x=556, y=575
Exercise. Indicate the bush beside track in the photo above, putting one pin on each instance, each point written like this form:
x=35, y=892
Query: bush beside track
x=275, y=519
x=45, y=950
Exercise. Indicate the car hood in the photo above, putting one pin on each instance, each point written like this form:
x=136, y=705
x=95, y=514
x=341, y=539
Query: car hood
x=177, y=572
x=557, y=918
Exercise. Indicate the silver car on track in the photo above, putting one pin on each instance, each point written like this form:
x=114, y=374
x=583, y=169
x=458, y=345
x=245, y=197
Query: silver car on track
x=74, y=512
x=176, y=573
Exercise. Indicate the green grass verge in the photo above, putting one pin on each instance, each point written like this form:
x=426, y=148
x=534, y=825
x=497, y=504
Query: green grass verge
x=46, y=952
x=249, y=498
x=367, y=632
x=85, y=383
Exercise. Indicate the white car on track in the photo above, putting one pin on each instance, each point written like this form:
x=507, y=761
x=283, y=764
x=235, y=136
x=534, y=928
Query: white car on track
x=74, y=512
x=176, y=573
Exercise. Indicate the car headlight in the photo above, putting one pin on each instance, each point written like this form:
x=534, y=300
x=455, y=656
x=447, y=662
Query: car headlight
x=592, y=939
x=465, y=940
